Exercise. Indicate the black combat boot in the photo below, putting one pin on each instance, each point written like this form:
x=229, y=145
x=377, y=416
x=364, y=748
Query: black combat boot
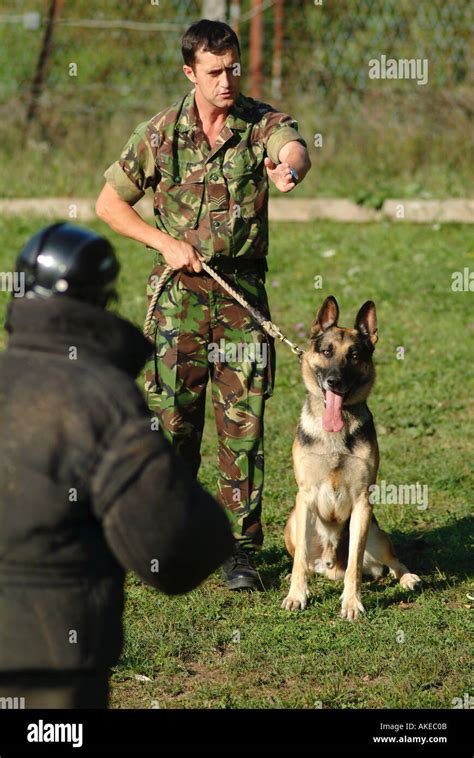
x=238, y=570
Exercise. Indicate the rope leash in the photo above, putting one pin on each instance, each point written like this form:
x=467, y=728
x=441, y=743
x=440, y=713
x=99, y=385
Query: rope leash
x=271, y=328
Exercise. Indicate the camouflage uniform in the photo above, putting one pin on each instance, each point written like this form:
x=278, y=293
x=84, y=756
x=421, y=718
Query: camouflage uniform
x=216, y=199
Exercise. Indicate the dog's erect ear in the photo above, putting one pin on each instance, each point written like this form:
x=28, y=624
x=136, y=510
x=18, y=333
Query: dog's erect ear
x=327, y=316
x=366, y=321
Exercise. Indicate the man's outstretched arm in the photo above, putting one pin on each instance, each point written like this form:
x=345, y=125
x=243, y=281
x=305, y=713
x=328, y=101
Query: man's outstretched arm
x=296, y=155
x=292, y=155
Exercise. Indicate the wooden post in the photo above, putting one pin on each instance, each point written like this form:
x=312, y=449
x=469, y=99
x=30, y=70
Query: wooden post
x=235, y=16
x=214, y=10
x=277, y=50
x=256, y=38
x=54, y=10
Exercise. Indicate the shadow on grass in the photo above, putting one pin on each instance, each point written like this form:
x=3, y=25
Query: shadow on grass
x=442, y=550
x=274, y=564
x=446, y=549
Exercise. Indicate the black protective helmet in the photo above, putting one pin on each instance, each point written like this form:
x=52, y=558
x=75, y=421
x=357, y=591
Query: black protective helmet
x=63, y=259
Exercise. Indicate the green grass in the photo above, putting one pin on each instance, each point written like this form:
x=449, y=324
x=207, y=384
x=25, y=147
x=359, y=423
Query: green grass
x=217, y=649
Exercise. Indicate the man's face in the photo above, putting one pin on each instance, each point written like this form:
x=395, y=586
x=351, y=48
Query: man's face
x=217, y=77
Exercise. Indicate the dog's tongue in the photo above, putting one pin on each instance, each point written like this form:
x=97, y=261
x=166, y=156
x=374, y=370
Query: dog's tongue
x=332, y=419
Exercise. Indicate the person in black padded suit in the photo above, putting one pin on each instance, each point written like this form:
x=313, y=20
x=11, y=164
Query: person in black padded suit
x=89, y=489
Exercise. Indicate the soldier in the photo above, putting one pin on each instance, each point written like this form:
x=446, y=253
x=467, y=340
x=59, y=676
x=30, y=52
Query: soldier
x=207, y=159
x=88, y=487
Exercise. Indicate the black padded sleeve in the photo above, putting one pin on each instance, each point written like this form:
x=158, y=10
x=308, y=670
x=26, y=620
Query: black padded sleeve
x=158, y=521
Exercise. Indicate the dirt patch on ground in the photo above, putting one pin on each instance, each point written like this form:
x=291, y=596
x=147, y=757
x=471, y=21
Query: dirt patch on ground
x=80, y=210
x=169, y=691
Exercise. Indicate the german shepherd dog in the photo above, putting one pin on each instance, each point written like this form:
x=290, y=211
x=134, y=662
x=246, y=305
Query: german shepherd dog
x=332, y=529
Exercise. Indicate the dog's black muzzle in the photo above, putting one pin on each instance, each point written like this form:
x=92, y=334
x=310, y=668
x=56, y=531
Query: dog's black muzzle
x=334, y=381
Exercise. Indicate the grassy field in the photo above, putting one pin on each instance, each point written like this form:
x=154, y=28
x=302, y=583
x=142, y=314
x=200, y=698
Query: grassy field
x=217, y=649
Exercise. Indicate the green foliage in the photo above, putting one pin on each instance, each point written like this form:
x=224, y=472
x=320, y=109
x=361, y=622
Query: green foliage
x=381, y=138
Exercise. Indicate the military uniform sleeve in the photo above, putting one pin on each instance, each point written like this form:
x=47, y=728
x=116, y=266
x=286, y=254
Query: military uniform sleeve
x=276, y=129
x=158, y=521
x=135, y=170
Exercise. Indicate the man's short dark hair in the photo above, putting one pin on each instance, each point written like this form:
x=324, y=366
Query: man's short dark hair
x=210, y=36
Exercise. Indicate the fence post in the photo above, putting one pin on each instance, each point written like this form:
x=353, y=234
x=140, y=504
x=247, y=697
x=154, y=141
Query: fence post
x=215, y=10
x=277, y=50
x=235, y=16
x=54, y=10
x=256, y=34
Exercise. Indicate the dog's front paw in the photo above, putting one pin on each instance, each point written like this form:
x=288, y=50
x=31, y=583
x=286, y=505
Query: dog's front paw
x=410, y=581
x=295, y=601
x=351, y=607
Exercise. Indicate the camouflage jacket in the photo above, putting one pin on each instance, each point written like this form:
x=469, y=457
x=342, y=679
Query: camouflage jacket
x=215, y=199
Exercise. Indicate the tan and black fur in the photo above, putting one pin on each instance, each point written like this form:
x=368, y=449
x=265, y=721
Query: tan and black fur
x=332, y=529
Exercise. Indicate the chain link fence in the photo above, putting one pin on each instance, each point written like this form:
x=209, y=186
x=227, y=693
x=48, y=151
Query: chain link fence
x=115, y=63
x=132, y=52
x=328, y=47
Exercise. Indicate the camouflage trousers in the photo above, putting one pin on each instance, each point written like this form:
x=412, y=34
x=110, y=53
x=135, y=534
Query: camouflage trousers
x=201, y=333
